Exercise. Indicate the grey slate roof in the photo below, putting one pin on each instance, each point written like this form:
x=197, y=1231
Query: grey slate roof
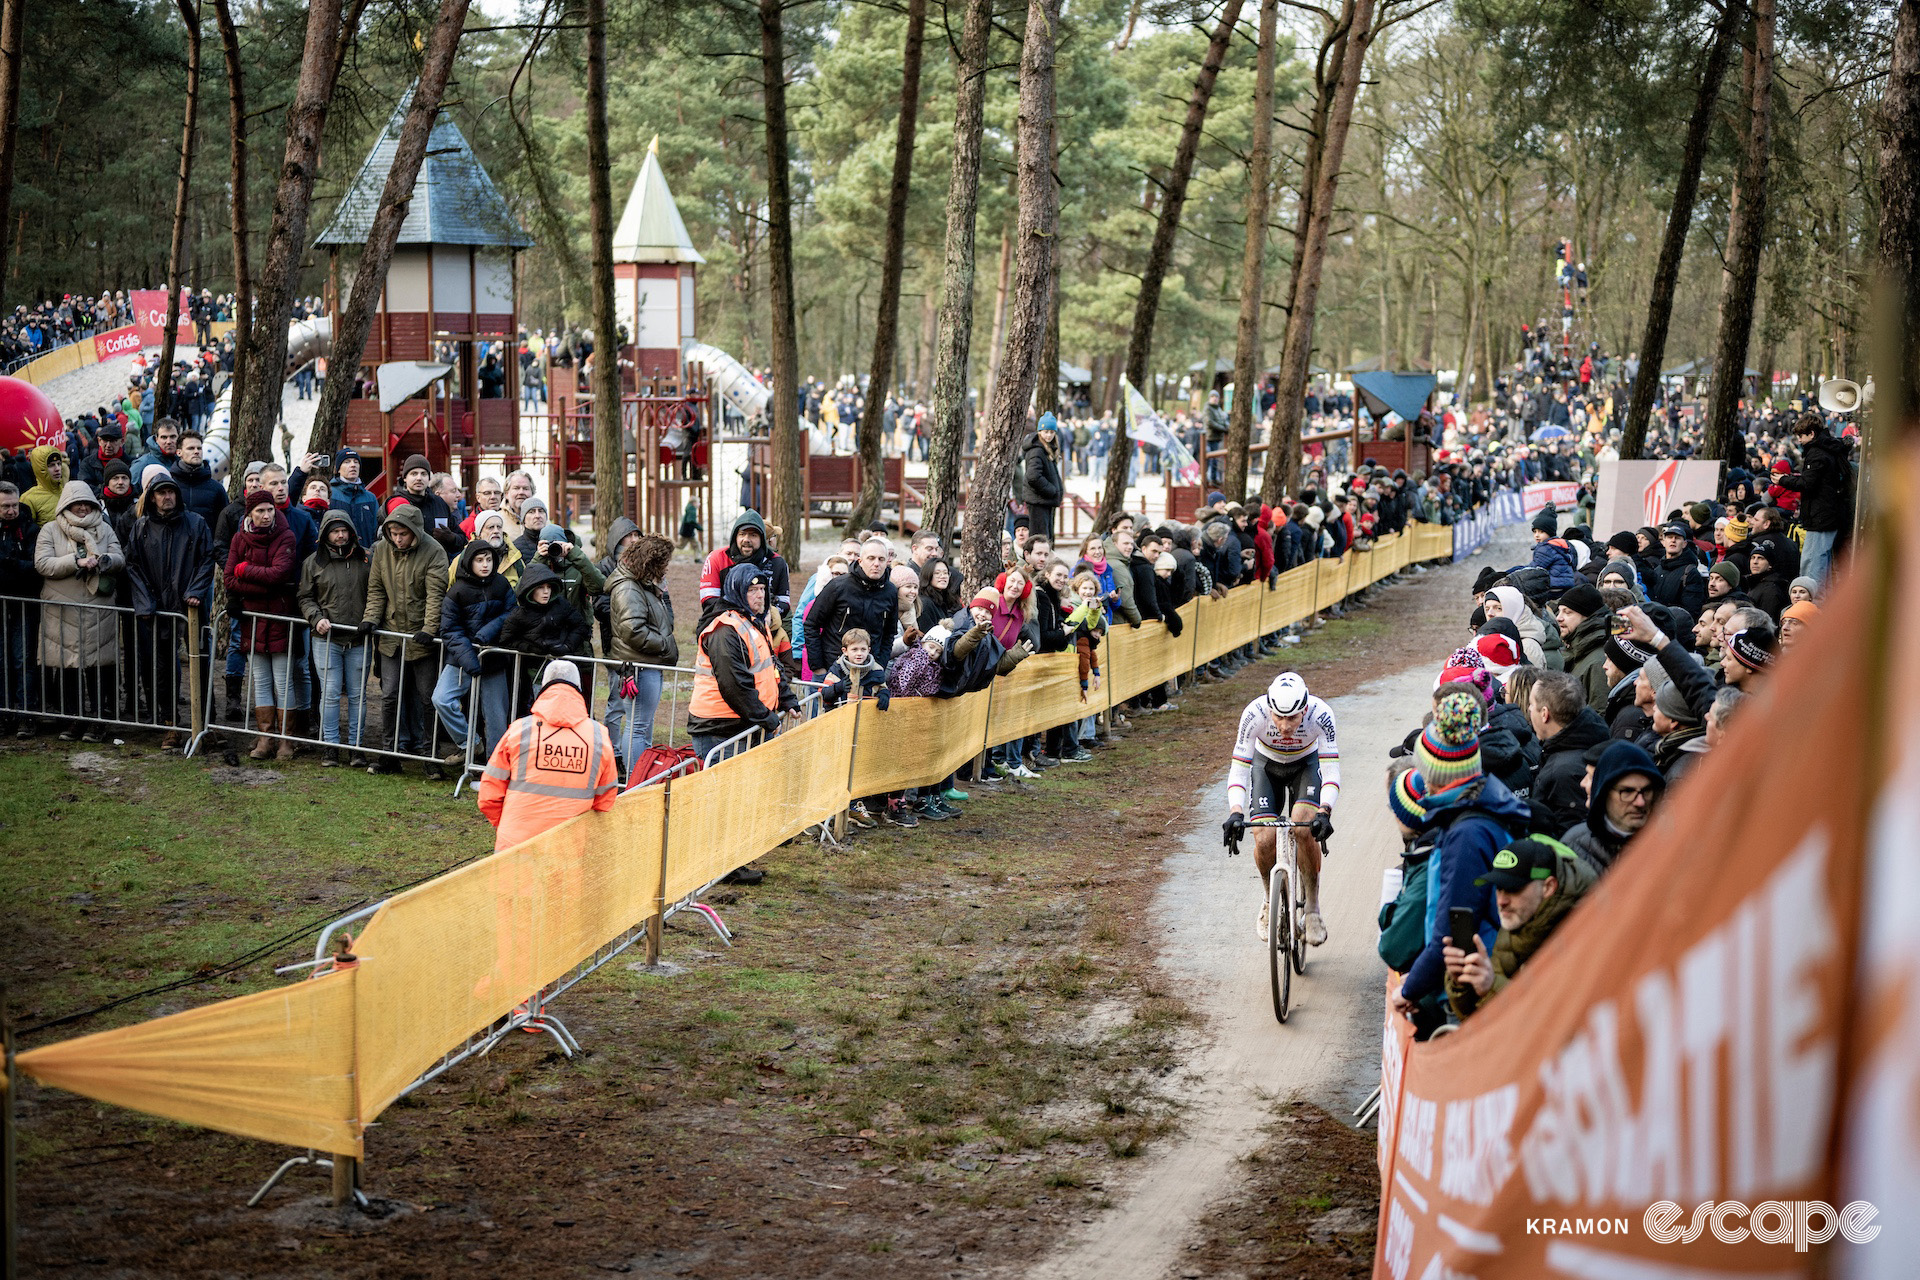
x=454, y=201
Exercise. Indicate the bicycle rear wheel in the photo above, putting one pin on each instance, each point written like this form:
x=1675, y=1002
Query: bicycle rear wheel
x=1280, y=938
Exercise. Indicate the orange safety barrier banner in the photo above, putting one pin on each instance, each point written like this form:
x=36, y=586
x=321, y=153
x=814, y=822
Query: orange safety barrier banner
x=1721, y=1022
x=1228, y=623
x=314, y=1063
x=1151, y=655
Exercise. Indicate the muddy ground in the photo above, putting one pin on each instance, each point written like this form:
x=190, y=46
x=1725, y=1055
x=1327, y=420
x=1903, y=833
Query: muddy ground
x=933, y=1054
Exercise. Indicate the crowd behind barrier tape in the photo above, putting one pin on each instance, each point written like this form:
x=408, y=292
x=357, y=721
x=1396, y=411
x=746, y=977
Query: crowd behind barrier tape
x=1474, y=532
x=313, y=1064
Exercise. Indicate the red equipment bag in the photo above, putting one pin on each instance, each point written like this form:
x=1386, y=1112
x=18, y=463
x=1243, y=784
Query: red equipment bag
x=655, y=761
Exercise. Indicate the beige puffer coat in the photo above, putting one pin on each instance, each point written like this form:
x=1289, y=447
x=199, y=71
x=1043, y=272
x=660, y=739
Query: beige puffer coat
x=75, y=637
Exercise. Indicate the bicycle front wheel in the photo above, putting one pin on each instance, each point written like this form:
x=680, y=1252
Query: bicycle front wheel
x=1280, y=938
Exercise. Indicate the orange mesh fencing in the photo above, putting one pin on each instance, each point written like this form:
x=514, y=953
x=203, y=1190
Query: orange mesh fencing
x=311, y=1064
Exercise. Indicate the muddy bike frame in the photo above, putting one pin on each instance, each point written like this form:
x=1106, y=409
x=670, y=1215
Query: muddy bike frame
x=102, y=694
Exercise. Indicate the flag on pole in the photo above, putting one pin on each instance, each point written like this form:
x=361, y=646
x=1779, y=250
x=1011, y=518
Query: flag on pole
x=1148, y=427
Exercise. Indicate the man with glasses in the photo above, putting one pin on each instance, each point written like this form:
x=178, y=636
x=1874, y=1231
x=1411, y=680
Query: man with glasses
x=1626, y=786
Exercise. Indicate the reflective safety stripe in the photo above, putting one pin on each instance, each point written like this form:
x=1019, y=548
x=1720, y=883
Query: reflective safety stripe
x=495, y=771
x=549, y=789
x=707, y=701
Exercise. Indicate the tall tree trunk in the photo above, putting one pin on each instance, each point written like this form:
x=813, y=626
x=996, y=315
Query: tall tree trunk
x=237, y=195
x=886, y=330
x=320, y=62
x=1283, y=442
x=1000, y=434
x=947, y=413
x=997, y=340
x=1746, y=234
x=609, y=442
x=784, y=488
x=1146, y=303
x=370, y=275
x=12, y=31
x=182, y=208
x=1666, y=273
x=1253, y=264
x=1046, y=390
x=1896, y=408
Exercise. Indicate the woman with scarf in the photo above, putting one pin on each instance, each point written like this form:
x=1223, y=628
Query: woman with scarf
x=79, y=560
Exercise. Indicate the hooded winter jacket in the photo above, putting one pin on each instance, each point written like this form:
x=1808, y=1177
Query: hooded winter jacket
x=46, y=497
x=169, y=557
x=405, y=588
x=473, y=612
x=72, y=637
x=333, y=583
x=1557, y=558
x=1475, y=819
x=552, y=630
x=261, y=578
x=1036, y=480
x=1596, y=840
x=713, y=573
x=1680, y=581
x=735, y=670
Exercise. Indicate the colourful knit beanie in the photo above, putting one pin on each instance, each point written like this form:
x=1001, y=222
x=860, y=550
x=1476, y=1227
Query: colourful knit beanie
x=1406, y=798
x=1448, y=752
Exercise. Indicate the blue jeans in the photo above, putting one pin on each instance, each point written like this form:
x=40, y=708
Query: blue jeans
x=496, y=705
x=629, y=721
x=236, y=656
x=270, y=680
x=1816, y=555
x=343, y=674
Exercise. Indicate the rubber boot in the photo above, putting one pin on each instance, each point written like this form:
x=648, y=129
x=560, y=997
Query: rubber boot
x=263, y=718
x=289, y=724
x=233, y=699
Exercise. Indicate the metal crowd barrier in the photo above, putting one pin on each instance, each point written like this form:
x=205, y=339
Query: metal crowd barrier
x=301, y=669
x=603, y=676
x=141, y=688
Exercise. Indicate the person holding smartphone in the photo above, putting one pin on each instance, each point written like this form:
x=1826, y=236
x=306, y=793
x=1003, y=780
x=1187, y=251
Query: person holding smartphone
x=1536, y=881
x=1475, y=816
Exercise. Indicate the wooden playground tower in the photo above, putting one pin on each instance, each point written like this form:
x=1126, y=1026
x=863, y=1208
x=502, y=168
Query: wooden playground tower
x=668, y=415
x=450, y=293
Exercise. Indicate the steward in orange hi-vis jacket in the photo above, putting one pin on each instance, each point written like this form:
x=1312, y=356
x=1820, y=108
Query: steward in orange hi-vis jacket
x=550, y=765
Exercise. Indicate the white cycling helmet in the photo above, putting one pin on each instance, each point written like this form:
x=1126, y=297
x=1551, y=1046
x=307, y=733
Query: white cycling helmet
x=1287, y=695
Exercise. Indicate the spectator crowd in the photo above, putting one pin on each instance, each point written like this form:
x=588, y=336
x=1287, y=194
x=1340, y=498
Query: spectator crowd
x=1590, y=682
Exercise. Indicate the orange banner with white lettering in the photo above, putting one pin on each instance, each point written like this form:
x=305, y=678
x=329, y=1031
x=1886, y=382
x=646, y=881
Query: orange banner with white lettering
x=1667, y=1089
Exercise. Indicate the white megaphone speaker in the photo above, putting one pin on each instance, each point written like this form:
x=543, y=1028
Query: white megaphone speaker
x=1838, y=395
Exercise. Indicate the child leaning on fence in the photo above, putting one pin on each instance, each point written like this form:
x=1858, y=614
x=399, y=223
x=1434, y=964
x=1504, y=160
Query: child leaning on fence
x=855, y=673
x=1086, y=624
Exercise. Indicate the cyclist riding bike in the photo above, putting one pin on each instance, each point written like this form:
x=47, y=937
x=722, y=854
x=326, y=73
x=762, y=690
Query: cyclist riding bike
x=1286, y=746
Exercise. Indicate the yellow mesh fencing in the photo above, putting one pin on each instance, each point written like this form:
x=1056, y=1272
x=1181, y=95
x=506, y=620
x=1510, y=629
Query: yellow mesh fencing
x=725, y=817
x=916, y=742
x=312, y=1064
x=443, y=960
x=276, y=1065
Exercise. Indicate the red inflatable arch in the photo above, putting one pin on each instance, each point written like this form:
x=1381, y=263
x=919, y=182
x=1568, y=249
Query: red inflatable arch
x=27, y=417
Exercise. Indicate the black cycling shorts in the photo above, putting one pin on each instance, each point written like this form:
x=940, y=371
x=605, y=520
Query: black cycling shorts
x=1273, y=781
